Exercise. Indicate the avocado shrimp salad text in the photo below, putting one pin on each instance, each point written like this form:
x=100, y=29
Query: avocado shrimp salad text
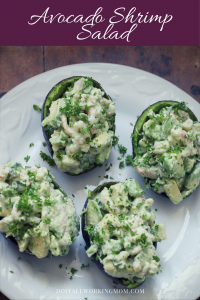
x=120, y=224
x=81, y=123
x=35, y=211
x=168, y=151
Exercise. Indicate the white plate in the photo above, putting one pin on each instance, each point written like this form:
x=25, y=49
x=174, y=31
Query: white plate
x=132, y=90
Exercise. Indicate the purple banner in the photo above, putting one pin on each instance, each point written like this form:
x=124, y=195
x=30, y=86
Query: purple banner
x=85, y=23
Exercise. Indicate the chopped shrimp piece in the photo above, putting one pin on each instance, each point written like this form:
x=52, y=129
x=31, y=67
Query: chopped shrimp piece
x=181, y=135
x=111, y=109
x=4, y=173
x=70, y=131
x=92, y=119
x=136, y=250
x=137, y=266
x=150, y=172
x=182, y=113
x=79, y=125
x=94, y=111
x=91, y=101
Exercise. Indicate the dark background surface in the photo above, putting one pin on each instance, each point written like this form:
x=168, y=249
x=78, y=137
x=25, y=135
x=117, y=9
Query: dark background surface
x=179, y=65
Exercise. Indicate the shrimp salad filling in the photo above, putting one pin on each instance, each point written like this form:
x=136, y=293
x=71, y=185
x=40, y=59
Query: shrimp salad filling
x=121, y=228
x=35, y=211
x=82, y=127
x=168, y=153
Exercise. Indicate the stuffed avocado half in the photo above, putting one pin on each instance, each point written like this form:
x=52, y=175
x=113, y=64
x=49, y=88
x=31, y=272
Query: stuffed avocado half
x=166, y=146
x=34, y=212
x=78, y=124
x=120, y=233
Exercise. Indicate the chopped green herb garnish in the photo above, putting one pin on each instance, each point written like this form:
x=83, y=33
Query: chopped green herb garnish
x=60, y=266
x=47, y=221
x=84, y=266
x=87, y=140
x=27, y=158
x=73, y=271
x=156, y=258
x=89, y=193
x=47, y=158
x=129, y=160
x=115, y=141
x=59, y=156
x=121, y=164
x=37, y=107
x=122, y=149
x=31, y=145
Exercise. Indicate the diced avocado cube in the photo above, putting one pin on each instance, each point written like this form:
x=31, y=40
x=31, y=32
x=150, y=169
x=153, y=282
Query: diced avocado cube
x=197, y=126
x=101, y=157
x=133, y=187
x=156, y=185
x=93, y=249
x=54, y=117
x=66, y=162
x=159, y=231
x=58, y=138
x=3, y=185
x=187, y=125
x=186, y=193
x=93, y=214
x=41, y=173
x=160, y=147
x=180, y=182
x=151, y=129
x=172, y=191
x=188, y=164
x=167, y=126
x=192, y=181
x=173, y=164
x=143, y=143
x=101, y=141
